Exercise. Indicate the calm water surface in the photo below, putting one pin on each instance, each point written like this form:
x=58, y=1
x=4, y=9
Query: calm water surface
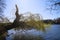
x=52, y=33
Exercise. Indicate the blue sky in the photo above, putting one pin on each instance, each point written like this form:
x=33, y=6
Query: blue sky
x=34, y=6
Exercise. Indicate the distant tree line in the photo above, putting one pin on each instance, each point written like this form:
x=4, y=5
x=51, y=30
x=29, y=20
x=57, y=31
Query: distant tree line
x=55, y=21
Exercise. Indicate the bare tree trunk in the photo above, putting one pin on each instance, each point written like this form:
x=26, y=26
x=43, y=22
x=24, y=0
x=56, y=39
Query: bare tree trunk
x=13, y=25
x=16, y=21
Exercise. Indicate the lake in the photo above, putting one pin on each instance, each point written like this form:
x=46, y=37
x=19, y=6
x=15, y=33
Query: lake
x=52, y=33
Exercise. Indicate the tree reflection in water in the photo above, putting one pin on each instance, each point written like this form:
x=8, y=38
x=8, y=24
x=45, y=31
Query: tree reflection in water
x=25, y=35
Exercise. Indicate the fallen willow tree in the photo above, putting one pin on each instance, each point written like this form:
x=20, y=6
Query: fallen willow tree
x=28, y=23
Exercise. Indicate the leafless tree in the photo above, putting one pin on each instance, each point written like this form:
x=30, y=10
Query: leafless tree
x=2, y=6
x=54, y=6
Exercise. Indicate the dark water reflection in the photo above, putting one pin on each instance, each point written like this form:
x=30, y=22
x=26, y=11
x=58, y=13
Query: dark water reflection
x=52, y=33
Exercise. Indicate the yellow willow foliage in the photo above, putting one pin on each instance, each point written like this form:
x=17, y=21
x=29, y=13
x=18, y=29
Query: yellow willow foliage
x=34, y=20
x=36, y=24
